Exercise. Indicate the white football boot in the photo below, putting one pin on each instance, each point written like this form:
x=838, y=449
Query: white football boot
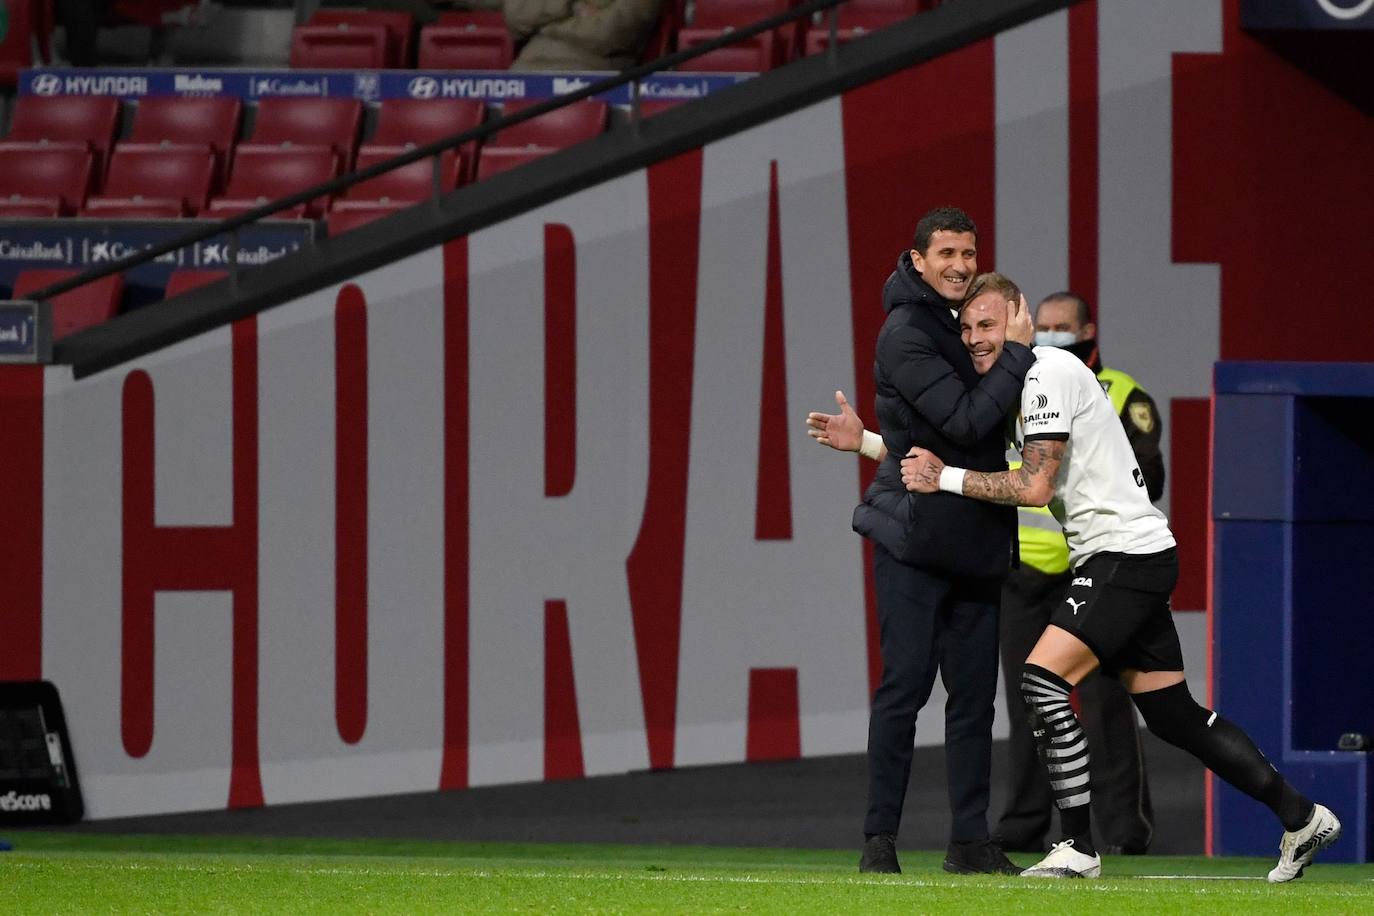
x=1297, y=847
x=1066, y=862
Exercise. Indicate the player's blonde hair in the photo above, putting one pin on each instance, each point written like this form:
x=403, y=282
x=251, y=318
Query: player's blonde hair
x=991, y=282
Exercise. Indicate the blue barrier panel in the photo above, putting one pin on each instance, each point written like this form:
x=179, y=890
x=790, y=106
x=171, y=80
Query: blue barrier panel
x=82, y=243
x=1294, y=522
x=367, y=85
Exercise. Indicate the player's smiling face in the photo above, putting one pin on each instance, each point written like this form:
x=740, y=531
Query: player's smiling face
x=948, y=263
x=983, y=323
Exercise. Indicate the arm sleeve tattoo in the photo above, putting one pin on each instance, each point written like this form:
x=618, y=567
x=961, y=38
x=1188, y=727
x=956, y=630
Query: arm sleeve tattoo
x=1040, y=461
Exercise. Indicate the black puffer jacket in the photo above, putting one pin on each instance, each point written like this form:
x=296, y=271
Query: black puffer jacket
x=930, y=395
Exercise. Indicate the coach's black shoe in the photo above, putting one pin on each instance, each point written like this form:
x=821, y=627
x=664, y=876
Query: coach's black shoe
x=982, y=857
x=880, y=855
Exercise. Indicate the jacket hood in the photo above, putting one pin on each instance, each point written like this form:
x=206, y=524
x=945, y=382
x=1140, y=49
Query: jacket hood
x=906, y=286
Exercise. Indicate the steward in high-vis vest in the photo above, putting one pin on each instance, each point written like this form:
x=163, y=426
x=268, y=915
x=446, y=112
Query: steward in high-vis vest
x=1121, y=796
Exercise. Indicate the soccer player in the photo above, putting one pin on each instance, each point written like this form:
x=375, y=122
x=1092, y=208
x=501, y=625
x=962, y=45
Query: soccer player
x=1076, y=460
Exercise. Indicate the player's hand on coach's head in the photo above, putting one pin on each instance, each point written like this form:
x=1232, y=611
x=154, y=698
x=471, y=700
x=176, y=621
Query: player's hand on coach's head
x=921, y=470
x=843, y=431
x=1020, y=325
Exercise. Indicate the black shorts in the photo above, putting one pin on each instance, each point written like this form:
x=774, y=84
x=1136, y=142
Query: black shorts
x=1118, y=604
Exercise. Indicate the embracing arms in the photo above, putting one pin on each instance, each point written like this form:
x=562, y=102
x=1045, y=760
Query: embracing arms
x=1031, y=484
x=925, y=379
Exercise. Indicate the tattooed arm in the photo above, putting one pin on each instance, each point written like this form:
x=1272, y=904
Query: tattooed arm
x=1032, y=484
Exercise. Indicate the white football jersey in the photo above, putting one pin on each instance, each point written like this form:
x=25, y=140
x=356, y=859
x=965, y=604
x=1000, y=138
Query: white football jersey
x=1100, y=496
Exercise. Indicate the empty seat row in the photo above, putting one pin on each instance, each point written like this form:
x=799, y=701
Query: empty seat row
x=180, y=159
x=767, y=50
x=479, y=40
x=373, y=40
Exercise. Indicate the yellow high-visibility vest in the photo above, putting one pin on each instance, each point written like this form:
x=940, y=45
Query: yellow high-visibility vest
x=1118, y=386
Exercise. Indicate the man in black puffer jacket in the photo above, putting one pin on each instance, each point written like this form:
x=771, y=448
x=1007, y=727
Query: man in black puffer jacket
x=938, y=560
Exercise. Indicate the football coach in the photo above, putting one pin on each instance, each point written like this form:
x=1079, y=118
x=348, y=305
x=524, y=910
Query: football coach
x=938, y=560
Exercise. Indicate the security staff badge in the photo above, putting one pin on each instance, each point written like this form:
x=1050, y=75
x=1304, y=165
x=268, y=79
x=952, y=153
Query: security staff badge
x=1142, y=416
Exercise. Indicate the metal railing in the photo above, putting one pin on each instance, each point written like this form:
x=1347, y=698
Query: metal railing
x=437, y=148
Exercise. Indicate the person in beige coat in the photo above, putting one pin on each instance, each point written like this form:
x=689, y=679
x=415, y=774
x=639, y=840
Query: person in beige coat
x=580, y=34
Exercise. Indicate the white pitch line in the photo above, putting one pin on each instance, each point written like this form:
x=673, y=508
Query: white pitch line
x=517, y=873
x=1197, y=877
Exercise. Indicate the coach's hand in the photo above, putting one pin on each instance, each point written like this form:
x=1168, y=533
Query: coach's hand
x=843, y=431
x=1020, y=326
x=921, y=470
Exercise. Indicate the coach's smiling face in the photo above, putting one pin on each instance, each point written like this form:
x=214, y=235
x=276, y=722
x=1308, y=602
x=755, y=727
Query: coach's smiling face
x=948, y=263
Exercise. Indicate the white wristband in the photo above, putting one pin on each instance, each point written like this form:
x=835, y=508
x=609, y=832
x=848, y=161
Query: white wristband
x=871, y=446
x=952, y=480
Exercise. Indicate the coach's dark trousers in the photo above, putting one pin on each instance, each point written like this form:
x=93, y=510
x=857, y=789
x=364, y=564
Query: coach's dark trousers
x=929, y=622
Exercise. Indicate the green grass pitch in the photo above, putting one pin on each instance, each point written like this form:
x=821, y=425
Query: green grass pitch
x=87, y=873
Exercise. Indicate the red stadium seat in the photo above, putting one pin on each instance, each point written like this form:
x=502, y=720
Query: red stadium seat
x=182, y=281
x=46, y=175
x=818, y=37
x=130, y=208
x=17, y=41
x=472, y=17
x=889, y=10
x=89, y=119
x=339, y=47
x=561, y=127
x=403, y=122
x=672, y=15
x=749, y=55
x=179, y=178
x=399, y=29
x=420, y=121
x=409, y=183
x=229, y=207
x=83, y=307
x=712, y=17
x=306, y=123
x=29, y=209
x=44, y=15
x=737, y=12
x=472, y=42
x=495, y=160
x=199, y=121
x=650, y=107
x=547, y=133
x=350, y=214
x=263, y=175
x=856, y=19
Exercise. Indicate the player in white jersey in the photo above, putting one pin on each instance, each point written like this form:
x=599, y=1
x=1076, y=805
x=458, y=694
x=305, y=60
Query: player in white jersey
x=1076, y=459
x=1098, y=511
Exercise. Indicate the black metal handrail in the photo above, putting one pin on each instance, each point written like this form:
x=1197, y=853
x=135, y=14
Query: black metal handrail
x=437, y=148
